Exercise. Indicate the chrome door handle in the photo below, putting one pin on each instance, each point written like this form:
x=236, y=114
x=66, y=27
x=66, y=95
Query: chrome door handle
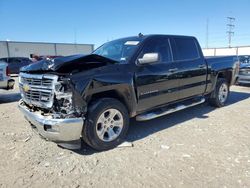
x=202, y=66
x=173, y=70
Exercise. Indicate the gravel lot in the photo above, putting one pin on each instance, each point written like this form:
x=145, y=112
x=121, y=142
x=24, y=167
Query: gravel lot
x=197, y=147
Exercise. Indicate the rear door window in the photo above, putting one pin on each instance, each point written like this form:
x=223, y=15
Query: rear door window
x=184, y=49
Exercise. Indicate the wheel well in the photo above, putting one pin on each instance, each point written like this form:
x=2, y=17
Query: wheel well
x=109, y=94
x=227, y=75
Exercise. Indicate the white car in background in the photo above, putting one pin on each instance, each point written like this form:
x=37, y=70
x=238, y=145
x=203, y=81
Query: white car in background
x=5, y=80
x=244, y=74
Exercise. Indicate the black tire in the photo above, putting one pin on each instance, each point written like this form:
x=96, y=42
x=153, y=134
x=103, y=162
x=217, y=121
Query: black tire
x=214, y=99
x=95, y=110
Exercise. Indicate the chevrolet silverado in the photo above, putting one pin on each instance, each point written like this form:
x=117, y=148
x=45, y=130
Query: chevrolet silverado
x=93, y=97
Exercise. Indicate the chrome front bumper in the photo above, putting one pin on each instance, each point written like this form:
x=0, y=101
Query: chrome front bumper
x=57, y=130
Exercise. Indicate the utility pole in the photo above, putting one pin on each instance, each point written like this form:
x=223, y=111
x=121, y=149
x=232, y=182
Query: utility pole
x=207, y=33
x=230, y=31
x=75, y=40
x=75, y=36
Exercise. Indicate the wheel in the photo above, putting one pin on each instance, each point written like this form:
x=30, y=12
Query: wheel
x=106, y=124
x=220, y=95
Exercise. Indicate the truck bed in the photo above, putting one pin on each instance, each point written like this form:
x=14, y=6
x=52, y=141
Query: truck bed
x=224, y=62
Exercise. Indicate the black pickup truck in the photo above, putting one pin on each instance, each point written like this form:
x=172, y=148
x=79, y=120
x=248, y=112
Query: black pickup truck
x=93, y=97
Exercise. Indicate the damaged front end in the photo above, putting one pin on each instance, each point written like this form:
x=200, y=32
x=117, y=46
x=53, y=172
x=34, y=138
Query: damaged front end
x=47, y=104
x=53, y=97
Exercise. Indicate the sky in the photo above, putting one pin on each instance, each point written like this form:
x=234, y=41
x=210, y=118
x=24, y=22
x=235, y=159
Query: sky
x=97, y=21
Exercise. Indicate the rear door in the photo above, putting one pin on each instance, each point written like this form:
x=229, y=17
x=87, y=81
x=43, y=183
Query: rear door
x=156, y=83
x=191, y=66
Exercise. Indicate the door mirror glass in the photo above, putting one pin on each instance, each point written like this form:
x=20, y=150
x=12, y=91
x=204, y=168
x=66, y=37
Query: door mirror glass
x=149, y=58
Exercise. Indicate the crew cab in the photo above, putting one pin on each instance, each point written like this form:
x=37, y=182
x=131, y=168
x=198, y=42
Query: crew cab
x=6, y=82
x=93, y=97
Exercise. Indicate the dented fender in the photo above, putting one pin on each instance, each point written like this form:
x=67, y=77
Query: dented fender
x=106, y=81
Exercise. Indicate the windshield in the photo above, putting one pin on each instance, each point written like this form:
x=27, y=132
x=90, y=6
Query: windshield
x=119, y=50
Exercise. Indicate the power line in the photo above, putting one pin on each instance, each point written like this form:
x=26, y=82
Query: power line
x=230, y=31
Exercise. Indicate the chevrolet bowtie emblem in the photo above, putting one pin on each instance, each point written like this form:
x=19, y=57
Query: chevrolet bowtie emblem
x=26, y=88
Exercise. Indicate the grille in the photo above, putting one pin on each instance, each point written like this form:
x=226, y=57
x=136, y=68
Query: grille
x=38, y=95
x=38, y=82
x=38, y=90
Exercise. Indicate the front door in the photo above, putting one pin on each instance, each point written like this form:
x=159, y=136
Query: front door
x=156, y=83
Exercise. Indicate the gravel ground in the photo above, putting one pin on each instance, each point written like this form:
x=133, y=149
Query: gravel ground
x=197, y=147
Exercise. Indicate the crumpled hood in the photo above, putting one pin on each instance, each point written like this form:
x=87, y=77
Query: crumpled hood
x=68, y=64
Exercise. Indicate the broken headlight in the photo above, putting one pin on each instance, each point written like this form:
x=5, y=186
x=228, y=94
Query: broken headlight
x=63, y=99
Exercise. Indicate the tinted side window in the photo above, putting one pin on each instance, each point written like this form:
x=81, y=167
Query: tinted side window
x=160, y=46
x=184, y=49
x=14, y=60
x=3, y=59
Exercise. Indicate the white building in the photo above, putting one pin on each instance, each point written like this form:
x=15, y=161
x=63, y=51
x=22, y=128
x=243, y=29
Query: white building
x=241, y=50
x=24, y=49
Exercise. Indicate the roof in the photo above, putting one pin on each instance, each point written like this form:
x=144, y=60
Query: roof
x=155, y=35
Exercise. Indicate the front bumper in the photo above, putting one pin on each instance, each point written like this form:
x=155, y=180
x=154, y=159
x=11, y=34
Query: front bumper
x=57, y=130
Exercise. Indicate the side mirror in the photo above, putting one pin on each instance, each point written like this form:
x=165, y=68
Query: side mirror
x=149, y=58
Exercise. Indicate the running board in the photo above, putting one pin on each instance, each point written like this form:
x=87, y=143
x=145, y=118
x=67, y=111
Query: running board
x=165, y=111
